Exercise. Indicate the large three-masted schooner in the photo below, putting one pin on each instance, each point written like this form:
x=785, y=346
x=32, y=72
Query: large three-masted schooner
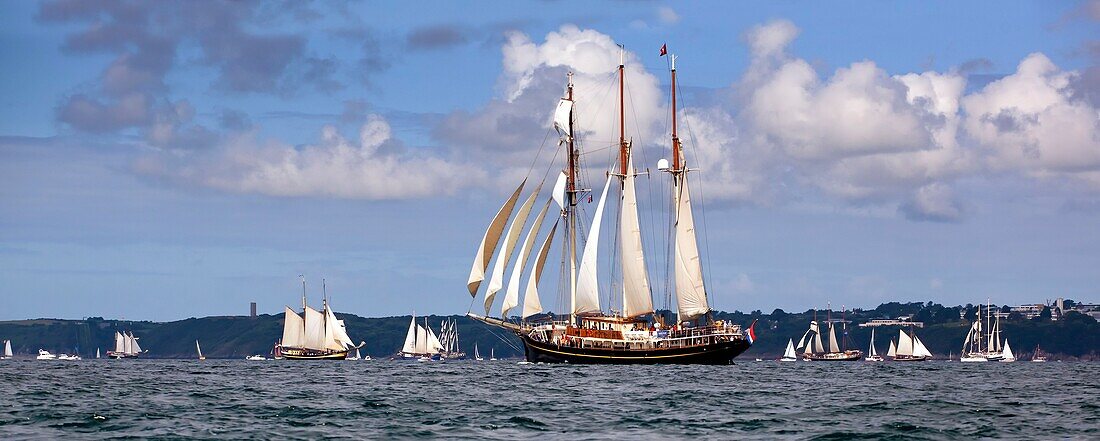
x=314, y=335
x=588, y=333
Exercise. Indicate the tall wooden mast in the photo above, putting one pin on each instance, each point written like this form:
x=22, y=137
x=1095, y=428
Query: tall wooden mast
x=623, y=149
x=570, y=209
x=675, y=137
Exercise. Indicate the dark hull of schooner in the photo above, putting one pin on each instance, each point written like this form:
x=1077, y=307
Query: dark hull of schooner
x=714, y=353
x=310, y=354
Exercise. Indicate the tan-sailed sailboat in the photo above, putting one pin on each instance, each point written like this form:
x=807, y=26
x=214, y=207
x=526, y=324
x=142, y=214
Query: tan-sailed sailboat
x=589, y=333
x=314, y=335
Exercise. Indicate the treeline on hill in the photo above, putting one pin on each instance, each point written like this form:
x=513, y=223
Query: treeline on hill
x=1074, y=336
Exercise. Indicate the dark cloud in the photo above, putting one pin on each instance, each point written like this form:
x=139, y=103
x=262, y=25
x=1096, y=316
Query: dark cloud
x=976, y=65
x=437, y=37
x=92, y=115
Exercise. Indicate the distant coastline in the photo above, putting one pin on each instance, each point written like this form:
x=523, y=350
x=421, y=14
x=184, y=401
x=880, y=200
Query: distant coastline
x=1072, y=336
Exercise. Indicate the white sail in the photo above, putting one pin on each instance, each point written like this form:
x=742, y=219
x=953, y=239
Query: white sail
x=336, y=337
x=421, y=340
x=198, y=349
x=294, y=329
x=969, y=335
x=588, y=292
x=1006, y=353
x=559, y=190
x=637, y=299
x=410, y=338
x=496, y=282
x=789, y=353
x=127, y=344
x=905, y=344
x=434, y=344
x=562, y=115
x=7, y=349
x=691, y=296
x=97, y=353
x=489, y=241
x=120, y=343
x=817, y=346
x=871, y=349
x=315, y=329
x=477, y=355
x=135, y=348
x=531, y=303
x=919, y=349
x=511, y=295
x=892, y=351
x=991, y=346
x=833, y=346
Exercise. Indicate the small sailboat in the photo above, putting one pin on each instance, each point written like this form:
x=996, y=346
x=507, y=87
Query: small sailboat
x=893, y=351
x=45, y=355
x=789, y=354
x=7, y=351
x=477, y=355
x=872, y=355
x=356, y=356
x=199, y=350
x=97, y=356
x=1038, y=356
x=492, y=355
x=421, y=343
x=256, y=357
x=1006, y=354
x=69, y=357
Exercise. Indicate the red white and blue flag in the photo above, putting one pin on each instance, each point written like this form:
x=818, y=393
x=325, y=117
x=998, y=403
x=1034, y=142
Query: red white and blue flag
x=751, y=333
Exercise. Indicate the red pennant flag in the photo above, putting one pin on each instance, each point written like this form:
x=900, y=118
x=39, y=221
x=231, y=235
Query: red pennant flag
x=664, y=50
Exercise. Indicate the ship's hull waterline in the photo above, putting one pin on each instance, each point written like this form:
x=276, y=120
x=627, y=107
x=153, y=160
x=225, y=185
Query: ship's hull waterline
x=305, y=354
x=714, y=354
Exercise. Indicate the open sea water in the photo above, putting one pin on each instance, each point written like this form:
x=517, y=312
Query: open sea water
x=504, y=400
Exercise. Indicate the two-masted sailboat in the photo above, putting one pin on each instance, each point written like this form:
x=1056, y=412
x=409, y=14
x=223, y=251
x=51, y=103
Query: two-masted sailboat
x=126, y=346
x=814, y=349
x=314, y=335
x=589, y=333
x=909, y=348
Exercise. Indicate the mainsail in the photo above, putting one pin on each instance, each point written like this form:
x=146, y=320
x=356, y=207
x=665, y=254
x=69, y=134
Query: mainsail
x=691, y=296
x=489, y=241
x=871, y=350
x=531, y=303
x=789, y=353
x=510, y=240
x=637, y=299
x=294, y=331
x=120, y=343
x=315, y=329
x=7, y=349
x=905, y=344
x=511, y=295
x=588, y=293
x=833, y=346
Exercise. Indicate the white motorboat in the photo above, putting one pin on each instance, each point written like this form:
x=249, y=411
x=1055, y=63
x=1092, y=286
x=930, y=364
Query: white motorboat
x=45, y=355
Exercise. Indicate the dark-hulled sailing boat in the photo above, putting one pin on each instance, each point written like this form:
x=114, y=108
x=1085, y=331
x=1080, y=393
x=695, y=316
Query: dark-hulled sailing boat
x=314, y=335
x=588, y=334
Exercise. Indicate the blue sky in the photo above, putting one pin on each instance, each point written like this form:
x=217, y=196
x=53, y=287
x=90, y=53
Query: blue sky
x=166, y=160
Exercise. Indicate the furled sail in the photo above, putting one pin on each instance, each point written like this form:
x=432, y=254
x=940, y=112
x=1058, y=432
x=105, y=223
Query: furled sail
x=489, y=241
x=691, y=296
x=511, y=295
x=410, y=338
x=637, y=299
x=315, y=329
x=531, y=303
x=294, y=329
x=833, y=346
x=588, y=292
x=905, y=344
x=496, y=282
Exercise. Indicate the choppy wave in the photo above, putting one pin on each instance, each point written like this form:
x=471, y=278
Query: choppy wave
x=501, y=400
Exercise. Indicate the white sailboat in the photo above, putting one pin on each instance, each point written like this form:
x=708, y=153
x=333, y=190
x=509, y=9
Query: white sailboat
x=492, y=355
x=126, y=346
x=910, y=348
x=789, y=354
x=982, y=344
x=477, y=355
x=356, y=356
x=421, y=343
x=7, y=351
x=892, y=351
x=314, y=335
x=97, y=356
x=1006, y=354
x=872, y=355
x=199, y=350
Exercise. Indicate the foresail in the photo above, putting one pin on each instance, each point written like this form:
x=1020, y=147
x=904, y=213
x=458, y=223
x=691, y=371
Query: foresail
x=489, y=241
x=496, y=282
x=690, y=294
x=905, y=344
x=531, y=303
x=511, y=295
x=410, y=338
x=588, y=293
x=637, y=299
